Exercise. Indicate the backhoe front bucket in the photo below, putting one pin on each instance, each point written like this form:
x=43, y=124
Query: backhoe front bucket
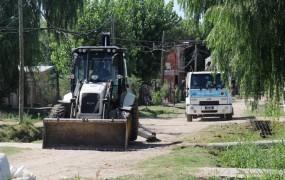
x=98, y=134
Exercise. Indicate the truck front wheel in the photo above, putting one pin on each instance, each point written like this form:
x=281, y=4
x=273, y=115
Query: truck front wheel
x=229, y=116
x=189, y=118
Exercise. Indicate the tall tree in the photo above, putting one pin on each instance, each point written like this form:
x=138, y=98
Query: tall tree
x=138, y=27
x=248, y=37
x=59, y=14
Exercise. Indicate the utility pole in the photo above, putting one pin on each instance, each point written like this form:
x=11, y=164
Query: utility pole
x=113, y=31
x=21, y=59
x=196, y=54
x=162, y=63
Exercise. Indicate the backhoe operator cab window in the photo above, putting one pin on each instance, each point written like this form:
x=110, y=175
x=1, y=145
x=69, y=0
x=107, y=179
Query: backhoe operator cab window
x=206, y=81
x=99, y=65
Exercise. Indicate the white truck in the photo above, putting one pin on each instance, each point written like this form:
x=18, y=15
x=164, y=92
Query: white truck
x=207, y=96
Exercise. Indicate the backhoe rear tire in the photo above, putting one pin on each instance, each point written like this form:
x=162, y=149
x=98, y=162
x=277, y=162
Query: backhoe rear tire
x=59, y=111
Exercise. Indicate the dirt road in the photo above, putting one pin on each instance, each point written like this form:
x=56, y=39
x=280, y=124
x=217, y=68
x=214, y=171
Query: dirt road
x=62, y=164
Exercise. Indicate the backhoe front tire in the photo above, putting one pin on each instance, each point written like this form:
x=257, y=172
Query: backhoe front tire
x=189, y=118
x=132, y=125
x=59, y=111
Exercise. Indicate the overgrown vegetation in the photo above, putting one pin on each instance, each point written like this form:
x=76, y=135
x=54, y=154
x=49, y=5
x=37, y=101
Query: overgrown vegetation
x=11, y=131
x=251, y=156
x=20, y=133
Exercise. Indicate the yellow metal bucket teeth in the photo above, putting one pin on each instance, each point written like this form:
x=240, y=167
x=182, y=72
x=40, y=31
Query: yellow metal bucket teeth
x=94, y=134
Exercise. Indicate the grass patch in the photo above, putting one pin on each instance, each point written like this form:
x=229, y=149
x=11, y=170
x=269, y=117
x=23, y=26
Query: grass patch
x=171, y=111
x=261, y=111
x=9, y=151
x=251, y=156
x=179, y=164
x=224, y=133
x=9, y=116
x=12, y=116
x=235, y=132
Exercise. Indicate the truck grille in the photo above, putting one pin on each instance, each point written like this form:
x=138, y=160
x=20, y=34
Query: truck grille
x=89, y=102
x=209, y=103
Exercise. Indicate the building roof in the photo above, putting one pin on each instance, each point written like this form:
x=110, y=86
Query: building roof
x=36, y=68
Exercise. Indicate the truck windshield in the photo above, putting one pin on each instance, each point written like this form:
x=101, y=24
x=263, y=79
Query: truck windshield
x=206, y=81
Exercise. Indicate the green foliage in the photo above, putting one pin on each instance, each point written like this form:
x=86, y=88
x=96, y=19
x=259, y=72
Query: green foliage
x=178, y=94
x=62, y=54
x=136, y=84
x=156, y=98
x=246, y=37
x=64, y=86
x=164, y=91
x=135, y=30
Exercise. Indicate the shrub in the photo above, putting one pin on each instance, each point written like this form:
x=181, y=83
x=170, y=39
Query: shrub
x=164, y=91
x=156, y=98
x=20, y=133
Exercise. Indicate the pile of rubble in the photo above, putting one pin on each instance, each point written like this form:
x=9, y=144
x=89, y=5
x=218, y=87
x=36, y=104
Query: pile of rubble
x=7, y=172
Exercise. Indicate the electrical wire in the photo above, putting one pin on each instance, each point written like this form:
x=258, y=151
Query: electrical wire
x=142, y=44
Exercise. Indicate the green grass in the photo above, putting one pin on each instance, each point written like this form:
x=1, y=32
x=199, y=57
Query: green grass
x=224, y=133
x=8, y=116
x=263, y=111
x=9, y=151
x=251, y=156
x=179, y=164
x=170, y=111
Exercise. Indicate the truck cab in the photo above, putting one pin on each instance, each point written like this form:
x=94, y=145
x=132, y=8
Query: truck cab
x=207, y=96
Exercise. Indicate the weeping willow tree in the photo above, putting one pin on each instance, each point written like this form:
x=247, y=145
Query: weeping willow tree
x=57, y=14
x=247, y=37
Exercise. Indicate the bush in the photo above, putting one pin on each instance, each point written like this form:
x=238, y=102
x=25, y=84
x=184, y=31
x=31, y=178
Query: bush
x=177, y=94
x=156, y=98
x=20, y=133
x=164, y=91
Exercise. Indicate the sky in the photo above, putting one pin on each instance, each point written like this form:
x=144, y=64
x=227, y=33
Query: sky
x=176, y=8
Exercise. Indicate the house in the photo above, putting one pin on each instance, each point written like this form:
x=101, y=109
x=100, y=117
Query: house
x=41, y=88
x=174, y=72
